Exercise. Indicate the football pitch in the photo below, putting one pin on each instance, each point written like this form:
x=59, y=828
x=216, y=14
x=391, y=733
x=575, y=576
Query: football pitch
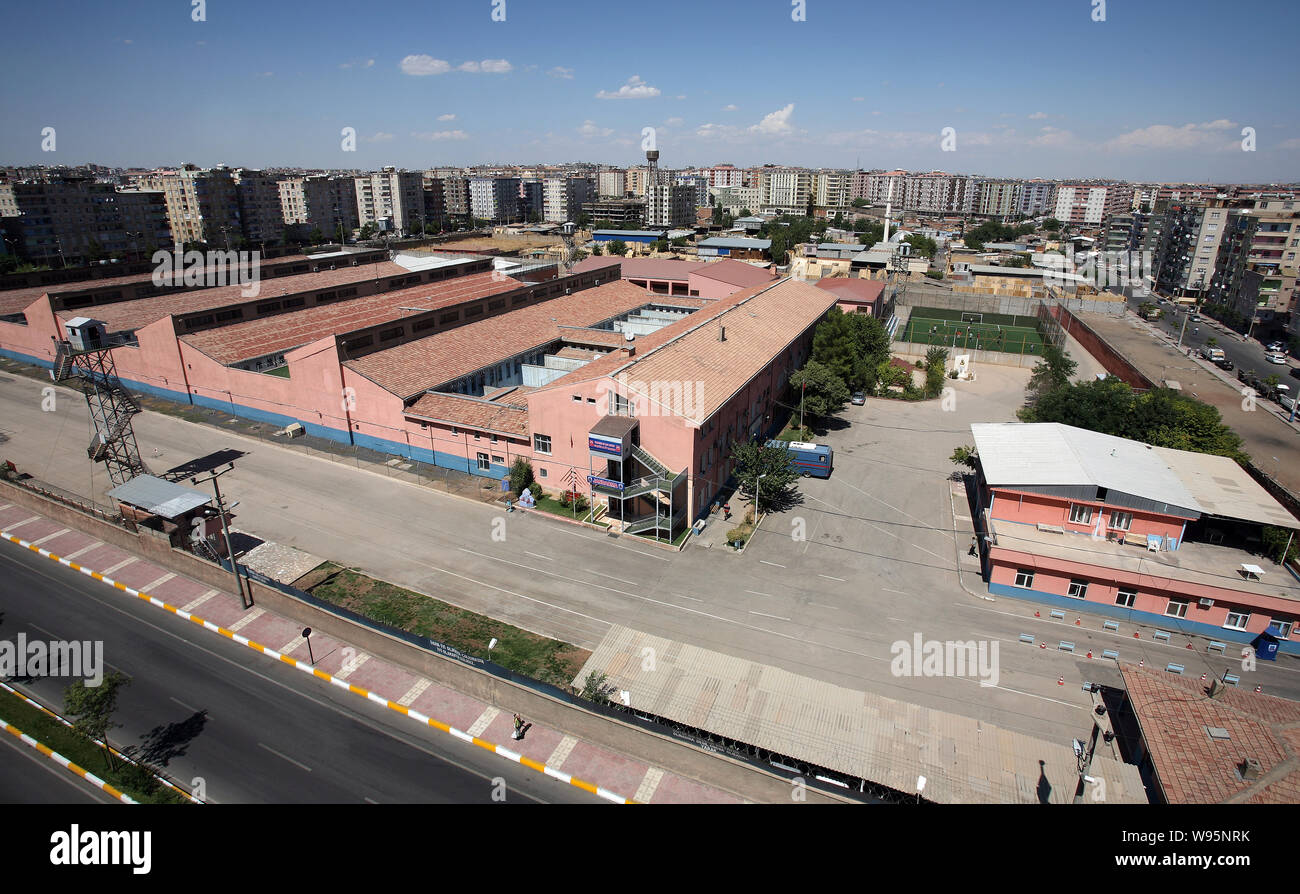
x=1015, y=334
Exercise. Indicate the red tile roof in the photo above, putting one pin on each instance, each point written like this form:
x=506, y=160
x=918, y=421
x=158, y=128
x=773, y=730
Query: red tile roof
x=1174, y=713
x=862, y=290
x=643, y=268
x=130, y=315
x=735, y=273
x=419, y=365
x=283, y=332
x=471, y=412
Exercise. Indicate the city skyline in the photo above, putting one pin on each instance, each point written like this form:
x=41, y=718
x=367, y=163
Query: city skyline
x=543, y=89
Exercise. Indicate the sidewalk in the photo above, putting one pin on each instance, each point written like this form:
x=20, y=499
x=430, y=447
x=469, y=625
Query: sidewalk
x=613, y=776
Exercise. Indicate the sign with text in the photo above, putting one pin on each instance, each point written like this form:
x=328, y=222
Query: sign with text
x=605, y=444
x=610, y=483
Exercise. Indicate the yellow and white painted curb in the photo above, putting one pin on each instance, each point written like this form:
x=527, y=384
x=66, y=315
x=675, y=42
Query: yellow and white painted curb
x=330, y=678
x=104, y=745
x=64, y=762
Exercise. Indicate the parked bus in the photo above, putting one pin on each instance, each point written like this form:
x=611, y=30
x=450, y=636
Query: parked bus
x=812, y=460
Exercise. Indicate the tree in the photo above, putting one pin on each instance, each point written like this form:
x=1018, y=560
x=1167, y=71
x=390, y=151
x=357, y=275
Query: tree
x=1275, y=540
x=1211, y=342
x=596, y=249
x=583, y=221
x=1052, y=372
x=1016, y=261
x=1051, y=224
x=936, y=366
x=965, y=456
x=859, y=203
x=316, y=237
x=775, y=464
x=973, y=243
x=367, y=231
x=745, y=212
x=821, y=392
x=852, y=347
x=680, y=242
x=661, y=245
x=717, y=215
x=596, y=688
x=618, y=247
x=838, y=222
x=922, y=246
x=92, y=707
x=521, y=475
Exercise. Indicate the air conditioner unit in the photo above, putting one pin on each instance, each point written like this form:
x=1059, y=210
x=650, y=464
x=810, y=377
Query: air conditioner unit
x=1205, y=603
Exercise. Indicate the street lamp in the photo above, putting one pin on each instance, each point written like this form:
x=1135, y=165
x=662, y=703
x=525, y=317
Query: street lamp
x=757, y=479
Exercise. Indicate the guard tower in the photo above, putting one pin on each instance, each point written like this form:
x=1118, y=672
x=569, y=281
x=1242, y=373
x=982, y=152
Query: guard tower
x=85, y=354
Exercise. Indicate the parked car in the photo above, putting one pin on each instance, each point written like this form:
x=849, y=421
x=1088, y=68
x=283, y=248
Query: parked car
x=1276, y=347
x=1276, y=357
x=1243, y=375
x=1287, y=401
x=1224, y=363
x=858, y=399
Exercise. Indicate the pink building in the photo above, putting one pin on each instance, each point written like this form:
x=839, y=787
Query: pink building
x=856, y=295
x=1090, y=522
x=701, y=279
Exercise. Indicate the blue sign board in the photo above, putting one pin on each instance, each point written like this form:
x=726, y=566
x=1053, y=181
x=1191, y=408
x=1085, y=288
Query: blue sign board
x=604, y=482
x=603, y=444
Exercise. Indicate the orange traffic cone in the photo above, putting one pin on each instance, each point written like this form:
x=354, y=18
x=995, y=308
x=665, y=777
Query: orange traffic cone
x=1060, y=681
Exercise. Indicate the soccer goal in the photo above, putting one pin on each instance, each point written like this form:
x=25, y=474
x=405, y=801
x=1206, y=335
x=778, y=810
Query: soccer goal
x=969, y=317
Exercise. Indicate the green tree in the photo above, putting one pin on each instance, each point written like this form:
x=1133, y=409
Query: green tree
x=1211, y=342
x=838, y=222
x=521, y=475
x=92, y=707
x=774, y=464
x=596, y=688
x=680, y=242
x=965, y=456
x=973, y=243
x=1051, y=225
x=717, y=215
x=859, y=203
x=745, y=212
x=596, y=249
x=852, y=347
x=367, y=231
x=820, y=392
x=661, y=245
x=316, y=237
x=922, y=246
x=1016, y=261
x=1050, y=373
x=1275, y=540
x=936, y=366
x=618, y=247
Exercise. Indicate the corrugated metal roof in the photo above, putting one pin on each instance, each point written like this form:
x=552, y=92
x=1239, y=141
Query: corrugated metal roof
x=1048, y=453
x=1225, y=489
x=160, y=497
x=722, y=242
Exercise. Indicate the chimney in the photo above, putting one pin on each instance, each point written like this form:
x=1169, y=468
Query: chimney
x=722, y=334
x=1249, y=769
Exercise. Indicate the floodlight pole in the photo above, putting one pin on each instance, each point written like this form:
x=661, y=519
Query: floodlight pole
x=225, y=530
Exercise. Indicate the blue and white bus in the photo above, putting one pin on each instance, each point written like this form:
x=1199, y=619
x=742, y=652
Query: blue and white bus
x=812, y=460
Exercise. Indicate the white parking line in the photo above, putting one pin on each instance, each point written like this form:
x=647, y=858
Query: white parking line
x=823, y=605
x=766, y=562
x=621, y=580
x=891, y=590
x=185, y=706
x=756, y=593
x=775, y=617
x=684, y=596
x=829, y=577
x=538, y=556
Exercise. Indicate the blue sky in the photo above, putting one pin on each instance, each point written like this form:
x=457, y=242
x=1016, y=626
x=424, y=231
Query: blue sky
x=1160, y=90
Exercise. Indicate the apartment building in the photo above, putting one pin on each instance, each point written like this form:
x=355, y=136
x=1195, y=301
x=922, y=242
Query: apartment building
x=670, y=205
x=8, y=204
x=724, y=175
x=832, y=189
x=202, y=204
x=611, y=184
x=72, y=219
x=261, y=214
x=997, y=198
x=435, y=205
x=1037, y=197
x=1273, y=252
x=532, y=199
x=455, y=195
x=785, y=190
x=494, y=198
x=325, y=202
x=699, y=184
x=636, y=180
x=735, y=199
x=938, y=193
x=391, y=199
x=1084, y=204
x=564, y=197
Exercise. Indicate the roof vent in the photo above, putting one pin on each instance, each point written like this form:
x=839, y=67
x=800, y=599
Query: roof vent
x=1249, y=769
x=722, y=334
x=630, y=336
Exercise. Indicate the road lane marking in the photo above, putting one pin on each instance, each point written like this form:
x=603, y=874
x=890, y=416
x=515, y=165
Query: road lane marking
x=829, y=577
x=621, y=580
x=766, y=562
x=284, y=757
x=891, y=590
x=756, y=593
x=824, y=605
x=684, y=596
x=774, y=617
x=189, y=708
x=538, y=556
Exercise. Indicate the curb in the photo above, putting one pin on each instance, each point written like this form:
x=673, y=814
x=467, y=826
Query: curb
x=329, y=678
x=64, y=762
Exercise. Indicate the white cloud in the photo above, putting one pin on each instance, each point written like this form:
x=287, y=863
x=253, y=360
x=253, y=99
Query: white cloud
x=441, y=135
x=487, y=66
x=859, y=98
x=265, y=74
x=1163, y=136
x=635, y=88
x=775, y=123
x=1293, y=143
x=730, y=108
x=358, y=64
x=447, y=117
x=421, y=65
x=1053, y=138
x=379, y=137
x=673, y=122
x=560, y=71
x=589, y=129
x=1037, y=116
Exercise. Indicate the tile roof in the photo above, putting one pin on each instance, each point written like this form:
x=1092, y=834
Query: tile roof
x=864, y=290
x=1174, y=713
x=735, y=273
x=419, y=365
x=642, y=268
x=283, y=332
x=471, y=412
x=130, y=315
x=760, y=322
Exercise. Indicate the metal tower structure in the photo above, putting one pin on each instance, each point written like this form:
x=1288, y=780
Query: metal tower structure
x=111, y=408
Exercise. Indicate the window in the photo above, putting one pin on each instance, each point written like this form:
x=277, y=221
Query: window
x=1125, y=597
x=1283, y=628
x=577, y=398
x=1080, y=515
x=497, y=459
x=1024, y=577
x=1176, y=609
x=1121, y=520
x=542, y=471
x=483, y=463
x=542, y=444
x=1237, y=620
x=1078, y=589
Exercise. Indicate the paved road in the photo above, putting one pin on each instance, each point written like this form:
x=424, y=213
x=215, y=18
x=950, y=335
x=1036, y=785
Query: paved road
x=254, y=730
x=28, y=777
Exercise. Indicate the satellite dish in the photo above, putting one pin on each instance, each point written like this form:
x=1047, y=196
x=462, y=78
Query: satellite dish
x=630, y=336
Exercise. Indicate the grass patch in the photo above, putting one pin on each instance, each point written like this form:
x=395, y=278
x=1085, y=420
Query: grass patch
x=794, y=433
x=539, y=657
x=281, y=371
x=84, y=753
x=555, y=507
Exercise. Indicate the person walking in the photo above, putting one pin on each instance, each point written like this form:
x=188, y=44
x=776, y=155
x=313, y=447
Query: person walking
x=519, y=728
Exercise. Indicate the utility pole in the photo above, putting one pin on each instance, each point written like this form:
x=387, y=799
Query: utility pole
x=1186, y=315
x=225, y=529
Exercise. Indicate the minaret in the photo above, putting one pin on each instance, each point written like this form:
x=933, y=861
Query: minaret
x=889, y=204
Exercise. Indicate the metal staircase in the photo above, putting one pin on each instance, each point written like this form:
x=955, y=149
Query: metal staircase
x=657, y=469
x=111, y=407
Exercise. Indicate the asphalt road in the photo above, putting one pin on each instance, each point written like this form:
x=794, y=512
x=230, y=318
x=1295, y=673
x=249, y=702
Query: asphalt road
x=254, y=730
x=28, y=777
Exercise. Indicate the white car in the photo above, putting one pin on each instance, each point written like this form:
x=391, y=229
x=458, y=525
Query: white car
x=1276, y=357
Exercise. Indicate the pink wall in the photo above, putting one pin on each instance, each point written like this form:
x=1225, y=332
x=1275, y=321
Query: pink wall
x=1034, y=509
x=1053, y=575
x=711, y=288
x=34, y=338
